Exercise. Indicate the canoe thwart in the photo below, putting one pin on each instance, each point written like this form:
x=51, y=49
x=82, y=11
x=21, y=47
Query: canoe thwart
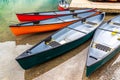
x=88, y=22
x=91, y=23
x=114, y=23
x=117, y=24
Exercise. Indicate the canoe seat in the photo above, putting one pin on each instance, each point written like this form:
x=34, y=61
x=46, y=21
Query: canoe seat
x=54, y=44
x=102, y=47
x=49, y=41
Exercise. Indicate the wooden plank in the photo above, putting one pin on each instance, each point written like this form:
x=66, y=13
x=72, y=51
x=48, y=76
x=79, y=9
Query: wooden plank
x=103, y=6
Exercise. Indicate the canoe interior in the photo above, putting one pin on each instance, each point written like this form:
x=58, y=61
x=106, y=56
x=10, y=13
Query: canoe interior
x=57, y=20
x=68, y=34
x=106, y=40
x=57, y=12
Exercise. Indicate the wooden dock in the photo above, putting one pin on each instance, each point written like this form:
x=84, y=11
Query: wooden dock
x=103, y=6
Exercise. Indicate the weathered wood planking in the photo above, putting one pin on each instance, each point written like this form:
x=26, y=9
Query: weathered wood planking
x=103, y=6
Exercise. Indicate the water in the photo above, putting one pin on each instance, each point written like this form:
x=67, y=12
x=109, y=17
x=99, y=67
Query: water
x=8, y=8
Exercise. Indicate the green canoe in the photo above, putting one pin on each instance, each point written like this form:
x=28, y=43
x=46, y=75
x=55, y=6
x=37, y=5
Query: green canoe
x=61, y=41
x=105, y=45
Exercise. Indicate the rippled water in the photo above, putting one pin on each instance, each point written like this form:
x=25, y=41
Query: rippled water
x=8, y=8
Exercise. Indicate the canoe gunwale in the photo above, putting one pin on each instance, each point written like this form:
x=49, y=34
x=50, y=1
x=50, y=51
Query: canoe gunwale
x=91, y=9
x=39, y=25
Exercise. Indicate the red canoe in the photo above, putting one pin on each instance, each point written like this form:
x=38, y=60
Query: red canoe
x=23, y=17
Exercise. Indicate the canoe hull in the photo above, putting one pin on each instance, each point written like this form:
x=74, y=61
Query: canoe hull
x=36, y=59
x=20, y=30
x=92, y=68
x=23, y=17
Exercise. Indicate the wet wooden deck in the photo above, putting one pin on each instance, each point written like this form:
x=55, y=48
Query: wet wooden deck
x=105, y=6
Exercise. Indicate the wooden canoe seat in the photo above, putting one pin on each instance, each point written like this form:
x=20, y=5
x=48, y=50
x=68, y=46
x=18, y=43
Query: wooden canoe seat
x=102, y=47
x=49, y=41
x=54, y=44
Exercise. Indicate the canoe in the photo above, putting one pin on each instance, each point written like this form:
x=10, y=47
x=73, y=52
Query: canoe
x=47, y=25
x=105, y=44
x=60, y=42
x=35, y=16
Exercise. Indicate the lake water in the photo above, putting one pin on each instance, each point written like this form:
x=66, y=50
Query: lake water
x=8, y=8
